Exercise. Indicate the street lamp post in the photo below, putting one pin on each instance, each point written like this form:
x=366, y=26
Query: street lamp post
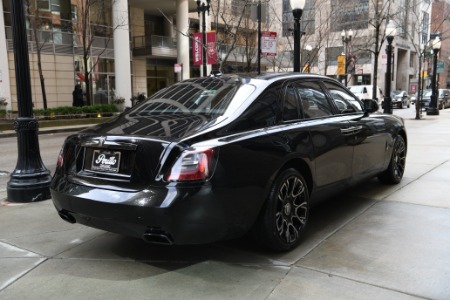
x=391, y=31
x=308, y=63
x=202, y=8
x=297, y=10
x=346, y=38
x=433, y=109
x=30, y=181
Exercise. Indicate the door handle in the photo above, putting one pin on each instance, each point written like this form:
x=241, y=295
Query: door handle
x=351, y=130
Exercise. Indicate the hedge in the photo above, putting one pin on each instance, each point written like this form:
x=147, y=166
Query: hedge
x=69, y=111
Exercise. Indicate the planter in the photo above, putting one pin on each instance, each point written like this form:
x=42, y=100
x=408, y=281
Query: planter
x=120, y=106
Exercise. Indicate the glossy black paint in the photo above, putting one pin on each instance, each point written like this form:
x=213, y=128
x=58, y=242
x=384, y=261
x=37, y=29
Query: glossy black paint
x=254, y=141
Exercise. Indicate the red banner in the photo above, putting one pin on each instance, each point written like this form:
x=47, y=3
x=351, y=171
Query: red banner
x=197, y=53
x=211, y=48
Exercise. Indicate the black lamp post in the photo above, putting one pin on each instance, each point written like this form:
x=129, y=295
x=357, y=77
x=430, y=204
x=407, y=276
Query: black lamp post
x=30, y=181
x=433, y=110
x=297, y=10
x=346, y=38
x=202, y=8
x=391, y=31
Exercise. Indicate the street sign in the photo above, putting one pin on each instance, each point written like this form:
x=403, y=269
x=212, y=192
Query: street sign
x=268, y=43
x=440, y=67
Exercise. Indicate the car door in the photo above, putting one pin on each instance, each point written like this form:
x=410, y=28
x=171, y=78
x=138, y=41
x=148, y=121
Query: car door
x=332, y=152
x=366, y=133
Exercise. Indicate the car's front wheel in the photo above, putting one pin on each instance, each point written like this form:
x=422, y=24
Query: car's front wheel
x=396, y=168
x=282, y=221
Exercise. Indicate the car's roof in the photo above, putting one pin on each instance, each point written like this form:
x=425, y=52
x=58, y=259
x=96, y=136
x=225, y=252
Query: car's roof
x=268, y=77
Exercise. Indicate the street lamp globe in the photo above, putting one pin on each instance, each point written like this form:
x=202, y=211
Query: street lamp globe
x=297, y=4
x=391, y=29
x=436, y=43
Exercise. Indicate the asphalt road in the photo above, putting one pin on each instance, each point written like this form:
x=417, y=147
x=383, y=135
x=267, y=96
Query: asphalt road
x=49, y=145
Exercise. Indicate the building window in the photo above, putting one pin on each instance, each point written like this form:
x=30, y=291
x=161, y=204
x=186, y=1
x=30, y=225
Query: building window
x=347, y=14
x=43, y=5
x=239, y=6
x=402, y=18
x=412, y=60
x=55, y=6
x=332, y=54
x=425, y=26
x=74, y=12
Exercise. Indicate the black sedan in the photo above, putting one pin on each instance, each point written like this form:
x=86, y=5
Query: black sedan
x=214, y=158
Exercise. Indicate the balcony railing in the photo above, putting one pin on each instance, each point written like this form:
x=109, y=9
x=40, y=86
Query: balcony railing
x=63, y=43
x=155, y=41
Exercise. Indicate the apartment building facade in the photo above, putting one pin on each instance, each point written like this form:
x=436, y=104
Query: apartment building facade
x=137, y=43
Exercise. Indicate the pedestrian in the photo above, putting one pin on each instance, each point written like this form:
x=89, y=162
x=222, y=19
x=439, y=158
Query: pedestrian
x=77, y=96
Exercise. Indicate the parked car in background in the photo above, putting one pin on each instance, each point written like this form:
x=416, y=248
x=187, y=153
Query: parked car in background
x=364, y=92
x=214, y=158
x=399, y=99
x=443, y=100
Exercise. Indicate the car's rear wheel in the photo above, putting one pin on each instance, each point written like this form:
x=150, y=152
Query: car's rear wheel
x=282, y=221
x=396, y=168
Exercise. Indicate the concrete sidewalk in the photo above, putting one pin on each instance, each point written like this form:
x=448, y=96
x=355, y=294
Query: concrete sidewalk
x=371, y=242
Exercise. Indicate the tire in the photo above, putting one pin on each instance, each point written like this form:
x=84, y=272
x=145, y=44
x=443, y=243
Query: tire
x=284, y=216
x=394, y=173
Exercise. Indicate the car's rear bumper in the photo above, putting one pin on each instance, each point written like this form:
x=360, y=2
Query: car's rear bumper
x=172, y=215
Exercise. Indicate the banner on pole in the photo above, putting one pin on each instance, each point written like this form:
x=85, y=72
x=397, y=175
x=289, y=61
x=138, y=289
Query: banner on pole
x=211, y=48
x=341, y=65
x=197, y=51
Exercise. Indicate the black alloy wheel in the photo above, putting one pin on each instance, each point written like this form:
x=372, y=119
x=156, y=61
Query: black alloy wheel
x=396, y=169
x=285, y=214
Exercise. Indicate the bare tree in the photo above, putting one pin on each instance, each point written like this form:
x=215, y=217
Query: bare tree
x=229, y=23
x=94, y=29
x=37, y=20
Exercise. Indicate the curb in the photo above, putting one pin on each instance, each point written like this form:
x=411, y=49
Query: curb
x=11, y=133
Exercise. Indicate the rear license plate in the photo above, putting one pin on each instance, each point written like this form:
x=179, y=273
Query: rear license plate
x=106, y=161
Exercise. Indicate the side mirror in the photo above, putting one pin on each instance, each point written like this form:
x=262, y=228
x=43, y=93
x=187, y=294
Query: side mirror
x=370, y=105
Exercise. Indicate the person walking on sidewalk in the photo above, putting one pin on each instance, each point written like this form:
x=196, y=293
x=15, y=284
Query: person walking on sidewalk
x=77, y=96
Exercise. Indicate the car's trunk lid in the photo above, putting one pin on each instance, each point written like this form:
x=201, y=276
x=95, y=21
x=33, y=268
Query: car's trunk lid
x=116, y=162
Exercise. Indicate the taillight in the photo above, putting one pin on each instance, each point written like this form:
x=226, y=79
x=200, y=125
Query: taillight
x=60, y=161
x=193, y=165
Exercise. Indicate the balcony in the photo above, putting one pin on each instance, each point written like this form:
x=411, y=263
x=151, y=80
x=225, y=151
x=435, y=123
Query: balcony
x=154, y=45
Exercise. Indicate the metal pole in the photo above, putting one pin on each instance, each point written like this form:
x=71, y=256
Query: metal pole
x=204, y=38
x=30, y=181
x=346, y=60
x=387, y=84
x=297, y=15
x=259, y=37
x=433, y=110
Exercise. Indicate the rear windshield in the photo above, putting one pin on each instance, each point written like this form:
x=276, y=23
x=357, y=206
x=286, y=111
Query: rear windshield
x=206, y=96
